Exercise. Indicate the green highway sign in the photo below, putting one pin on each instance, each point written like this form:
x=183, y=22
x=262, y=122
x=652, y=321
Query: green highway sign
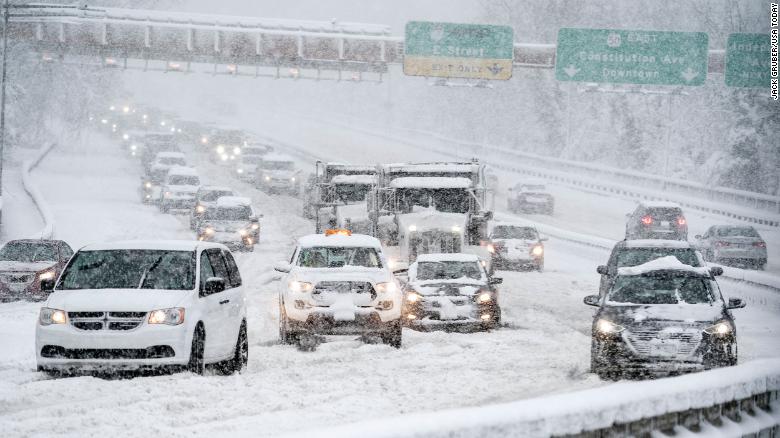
x=631, y=56
x=458, y=50
x=747, y=60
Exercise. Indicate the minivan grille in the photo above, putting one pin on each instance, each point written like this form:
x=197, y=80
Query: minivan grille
x=106, y=320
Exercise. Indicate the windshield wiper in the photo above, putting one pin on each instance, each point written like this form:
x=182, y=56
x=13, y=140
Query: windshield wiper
x=151, y=268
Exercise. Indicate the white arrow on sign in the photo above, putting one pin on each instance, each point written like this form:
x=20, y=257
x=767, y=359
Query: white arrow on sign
x=689, y=74
x=571, y=70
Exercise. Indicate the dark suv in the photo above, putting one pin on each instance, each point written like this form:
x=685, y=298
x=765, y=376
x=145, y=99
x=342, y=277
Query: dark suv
x=663, y=317
x=636, y=252
x=24, y=263
x=657, y=220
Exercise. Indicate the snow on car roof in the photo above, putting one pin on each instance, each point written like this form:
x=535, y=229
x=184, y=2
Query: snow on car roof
x=353, y=179
x=668, y=263
x=233, y=201
x=166, y=245
x=660, y=204
x=338, y=240
x=184, y=171
x=450, y=257
x=170, y=155
x=657, y=243
x=431, y=182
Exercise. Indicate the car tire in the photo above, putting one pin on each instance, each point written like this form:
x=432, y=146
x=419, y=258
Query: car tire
x=285, y=336
x=393, y=335
x=241, y=354
x=196, y=363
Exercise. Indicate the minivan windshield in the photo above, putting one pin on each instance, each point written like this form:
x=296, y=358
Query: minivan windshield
x=336, y=257
x=666, y=289
x=28, y=252
x=130, y=269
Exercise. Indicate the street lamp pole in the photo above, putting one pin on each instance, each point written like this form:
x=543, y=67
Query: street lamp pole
x=2, y=101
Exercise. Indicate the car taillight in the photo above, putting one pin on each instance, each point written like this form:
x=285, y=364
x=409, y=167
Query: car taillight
x=681, y=221
x=647, y=220
x=760, y=244
x=721, y=243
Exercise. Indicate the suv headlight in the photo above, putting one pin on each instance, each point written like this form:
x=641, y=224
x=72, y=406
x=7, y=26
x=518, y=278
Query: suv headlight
x=388, y=287
x=608, y=327
x=50, y=316
x=300, y=286
x=172, y=316
x=720, y=328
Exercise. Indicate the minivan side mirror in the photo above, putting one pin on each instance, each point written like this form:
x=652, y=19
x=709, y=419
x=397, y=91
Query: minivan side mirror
x=735, y=303
x=602, y=269
x=214, y=285
x=591, y=300
x=47, y=285
x=495, y=280
x=716, y=270
x=283, y=267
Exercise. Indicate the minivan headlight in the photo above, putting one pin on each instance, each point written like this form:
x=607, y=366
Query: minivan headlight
x=172, y=316
x=720, y=328
x=49, y=316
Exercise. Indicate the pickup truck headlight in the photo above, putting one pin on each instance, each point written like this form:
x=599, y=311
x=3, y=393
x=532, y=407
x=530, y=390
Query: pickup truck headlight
x=300, y=286
x=388, y=287
x=172, y=316
x=49, y=316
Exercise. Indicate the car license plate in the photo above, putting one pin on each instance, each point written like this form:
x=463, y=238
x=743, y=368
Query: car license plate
x=665, y=224
x=663, y=349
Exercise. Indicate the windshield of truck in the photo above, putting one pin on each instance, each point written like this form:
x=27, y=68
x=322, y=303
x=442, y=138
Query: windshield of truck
x=448, y=270
x=334, y=257
x=130, y=269
x=660, y=289
x=351, y=193
x=512, y=232
x=28, y=252
x=444, y=200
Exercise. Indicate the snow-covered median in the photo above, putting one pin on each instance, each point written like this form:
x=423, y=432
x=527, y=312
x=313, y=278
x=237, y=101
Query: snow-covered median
x=585, y=410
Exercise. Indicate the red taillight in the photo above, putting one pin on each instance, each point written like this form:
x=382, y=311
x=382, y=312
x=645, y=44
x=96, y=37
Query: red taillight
x=720, y=243
x=647, y=220
x=681, y=221
x=760, y=244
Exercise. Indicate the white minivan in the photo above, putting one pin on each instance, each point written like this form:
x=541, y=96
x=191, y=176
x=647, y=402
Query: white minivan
x=138, y=305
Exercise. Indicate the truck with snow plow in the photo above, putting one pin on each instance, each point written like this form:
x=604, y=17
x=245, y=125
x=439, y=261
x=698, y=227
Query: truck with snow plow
x=422, y=208
x=336, y=196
